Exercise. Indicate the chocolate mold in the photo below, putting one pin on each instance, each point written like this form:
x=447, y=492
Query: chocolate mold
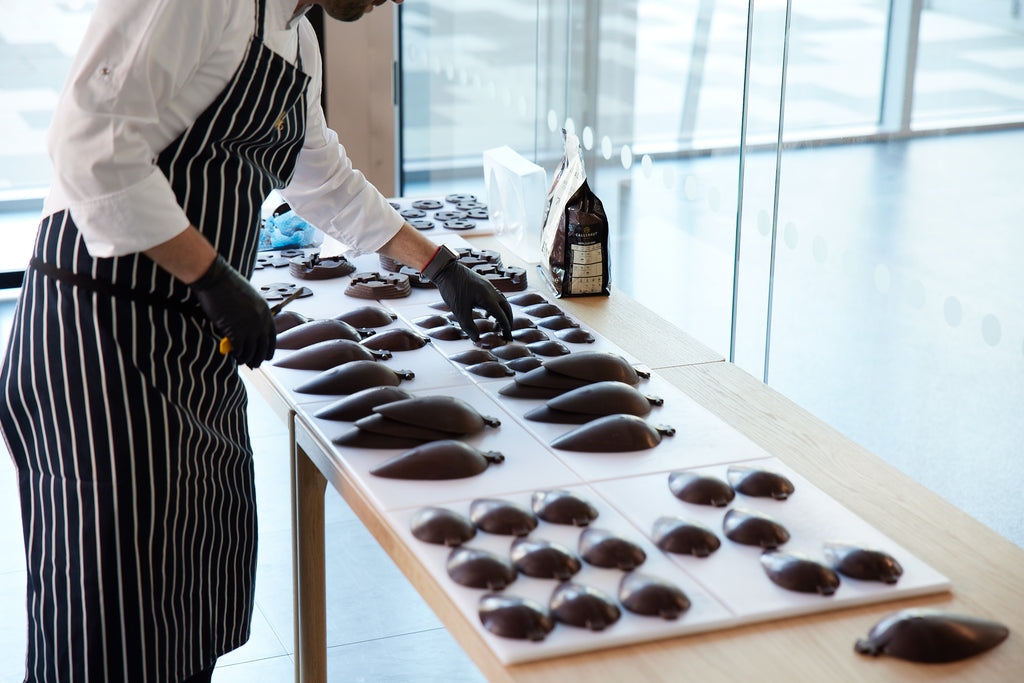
x=460, y=197
x=421, y=223
x=450, y=215
x=361, y=403
x=315, y=331
x=799, y=572
x=478, y=568
x=514, y=617
x=490, y=340
x=412, y=213
x=515, y=390
x=502, y=517
x=520, y=322
x=700, y=489
x=441, y=526
x=651, y=596
x=542, y=559
x=328, y=354
x=684, y=537
x=352, y=377
x=367, y=316
x=443, y=413
x=603, y=548
x=379, y=286
x=597, y=366
x=583, y=606
x=445, y=459
x=398, y=339
x=613, y=434
x=562, y=507
x=313, y=267
x=866, y=564
x=756, y=482
x=931, y=636
x=749, y=527
x=458, y=223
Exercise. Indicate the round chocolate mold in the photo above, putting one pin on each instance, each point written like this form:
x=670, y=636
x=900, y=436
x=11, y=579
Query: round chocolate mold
x=449, y=215
x=651, y=596
x=422, y=223
x=476, y=214
x=412, y=213
x=441, y=526
x=459, y=224
x=459, y=197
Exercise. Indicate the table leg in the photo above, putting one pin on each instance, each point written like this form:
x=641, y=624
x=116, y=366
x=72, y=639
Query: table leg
x=308, y=560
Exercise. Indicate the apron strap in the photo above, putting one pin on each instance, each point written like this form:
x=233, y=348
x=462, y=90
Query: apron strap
x=261, y=17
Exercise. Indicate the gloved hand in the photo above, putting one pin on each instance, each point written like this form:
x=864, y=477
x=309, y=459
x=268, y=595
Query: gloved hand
x=238, y=312
x=463, y=290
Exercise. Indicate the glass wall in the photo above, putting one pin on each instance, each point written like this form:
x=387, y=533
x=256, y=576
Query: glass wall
x=826, y=193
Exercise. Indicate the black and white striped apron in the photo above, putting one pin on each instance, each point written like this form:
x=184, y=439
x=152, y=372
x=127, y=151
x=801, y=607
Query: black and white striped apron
x=128, y=428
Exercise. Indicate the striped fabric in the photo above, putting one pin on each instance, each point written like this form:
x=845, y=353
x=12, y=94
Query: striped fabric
x=128, y=428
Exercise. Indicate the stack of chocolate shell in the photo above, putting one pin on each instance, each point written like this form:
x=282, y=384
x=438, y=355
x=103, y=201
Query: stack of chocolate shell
x=410, y=422
x=379, y=286
x=591, y=401
x=561, y=374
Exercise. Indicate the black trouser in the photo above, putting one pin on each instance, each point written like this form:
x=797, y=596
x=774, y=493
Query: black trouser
x=203, y=676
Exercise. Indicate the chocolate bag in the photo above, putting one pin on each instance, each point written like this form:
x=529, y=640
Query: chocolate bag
x=574, y=241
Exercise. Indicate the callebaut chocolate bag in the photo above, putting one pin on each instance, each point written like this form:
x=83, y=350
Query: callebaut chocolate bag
x=574, y=241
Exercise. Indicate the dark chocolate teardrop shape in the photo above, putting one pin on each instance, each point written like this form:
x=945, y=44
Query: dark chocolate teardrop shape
x=684, y=537
x=546, y=414
x=575, y=336
x=754, y=481
x=542, y=310
x=605, y=398
x=651, y=596
x=513, y=350
x=328, y=354
x=491, y=369
x=443, y=413
x=472, y=356
x=700, y=489
x=932, y=636
x=441, y=526
x=527, y=299
x=542, y=377
x=527, y=335
x=361, y=403
x=367, y=316
x=583, y=606
x=514, y=617
x=548, y=347
x=502, y=517
x=359, y=438
x=866, y=564
x=799, y=572
x=431, y=321
x=447, y=333
x=543, y=559
x=603, y=548
x=613, y=434
x=524, y=364
x=478, y=568
x=563, y=507
x=286, y=320
x=595, y=366
x=316, y=331
x=753, y=528
x=378, y=424
x=515, y=390
x=352, y=377
x=398, y=339
x=445, y=459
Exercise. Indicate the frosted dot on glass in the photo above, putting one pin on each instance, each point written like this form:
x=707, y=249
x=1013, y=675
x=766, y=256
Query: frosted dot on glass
x=627, y=157
x=882, y=278
x=552, y=120
x=588, y=137
x=791, y=235
x=819, y=249
x=953, y=311
x=915, y=294
x=714, y=199
x=991, y=330
x=606, y=147
x=570, y=126
x=690, y=187
x=647, y=165
x=764, y=222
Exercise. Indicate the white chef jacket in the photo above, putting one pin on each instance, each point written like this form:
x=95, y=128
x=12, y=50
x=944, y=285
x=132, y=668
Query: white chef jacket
x=145, y=71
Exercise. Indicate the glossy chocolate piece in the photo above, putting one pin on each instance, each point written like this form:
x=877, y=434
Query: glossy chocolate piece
x=575, y=336
x=753, y=481
x=476, y=568
x=484, y=325
x=328, y=354
x=749, y=527
x=447, y=333
x=473, y=356
x=352, y=377
x=431, y=321
x=286, y=320
x=502, y=517
x=596, y=366
x=548, y=347
x=368, y=316
x=613, y=434
x=398, y=339
x=603, y=548
x=360, y=438
x=445, y=459
x=543, y=309
x=513, y=617
x=651, y=596
x=558, y=323
x=491, y=368
x=684, y=537
x=361, y=403
x=276, y=291
x=511, y=351
x=799, y=572
x=605, y=398
x=313, y=267
x=315, y=331
x=443, y=413
x=441, y=526
x=562, y=507
x=490, y=340
x=524, y=364
x=440, y=306
x=550, y=415
x=514, y=390
x=931, y=636
x=378, y=424
x=379, y=286
x=528, y=335
x=542, y=377
x=583, y=606
x=520, y=322
x=543, y=559
x=700, y=489
x=527, y=299
x=866, y=564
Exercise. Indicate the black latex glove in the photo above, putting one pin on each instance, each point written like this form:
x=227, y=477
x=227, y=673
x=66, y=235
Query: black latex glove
x=238, y=312
x=463, y=290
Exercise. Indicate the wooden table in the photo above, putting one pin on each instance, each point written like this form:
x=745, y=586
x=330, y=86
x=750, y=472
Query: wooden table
x=982, y=566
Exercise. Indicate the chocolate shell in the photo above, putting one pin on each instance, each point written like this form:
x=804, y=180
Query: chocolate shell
x=562, y=507
x=542, y=377
x=613, y=434
x=651, y=596
x=527, y=335
x=749, y=527
x=443, y=413
x=431, y=321
x=478, y=568
x=931, y=636
x=513, y=617
x=328, y=354
x=798, y=572
x=596, y=366
x=754, y=481
x=548, y=347
x=543, y=559
x=502, y=517
x=515, y=390
x=524, y=364
x=367, y=316
x=441, y=526
x=520, y=322
x=866, y=564
x=552, y=416
x=361, y=403
x=542, y=310
x=378, y=424
x=605, y=398
x=352, y=377
x=360, y=438
x=575, y=336
x=472, y=356
x=447, y=333
x=684, y=537
x=490, y=340
x=445, y=459
x=398, y=339
x=286, y=320
x=700, y=489
x=313, y=267
x=583, y=606
x=609, y=550
x=491, y=369
x=513, y=350
x=315, y=331
x=559, y=323
x=527, y=299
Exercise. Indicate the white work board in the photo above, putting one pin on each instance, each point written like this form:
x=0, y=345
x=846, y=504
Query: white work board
x=629, y=490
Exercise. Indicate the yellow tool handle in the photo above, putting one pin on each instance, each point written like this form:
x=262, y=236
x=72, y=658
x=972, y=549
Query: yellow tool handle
x=225, y=346
x=225, y=343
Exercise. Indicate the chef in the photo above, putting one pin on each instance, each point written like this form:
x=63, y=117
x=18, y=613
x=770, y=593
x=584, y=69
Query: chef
x=127, y=426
